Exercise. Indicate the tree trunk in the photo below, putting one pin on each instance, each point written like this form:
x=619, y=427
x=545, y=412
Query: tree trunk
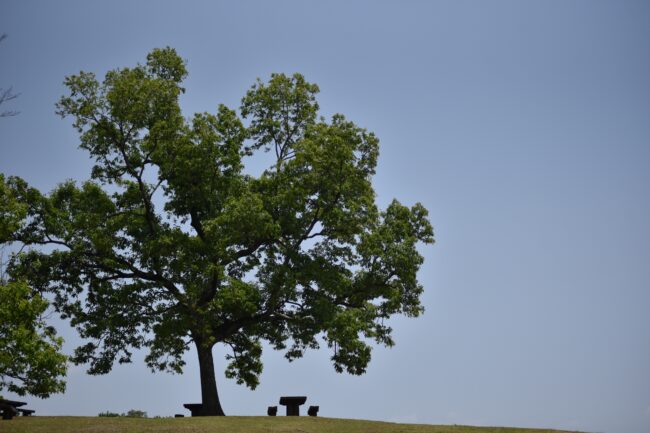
x=209, y=395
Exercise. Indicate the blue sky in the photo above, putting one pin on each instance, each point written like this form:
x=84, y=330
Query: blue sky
x=524, y=127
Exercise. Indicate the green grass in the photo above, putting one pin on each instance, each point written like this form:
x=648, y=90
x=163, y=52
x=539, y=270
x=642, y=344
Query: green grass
x=232, y=424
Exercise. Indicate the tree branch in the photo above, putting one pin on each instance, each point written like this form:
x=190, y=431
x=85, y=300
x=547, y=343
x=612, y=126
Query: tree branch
x=195, y=222
x=5, y=96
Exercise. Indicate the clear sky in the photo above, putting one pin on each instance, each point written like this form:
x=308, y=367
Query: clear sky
x=523, y=126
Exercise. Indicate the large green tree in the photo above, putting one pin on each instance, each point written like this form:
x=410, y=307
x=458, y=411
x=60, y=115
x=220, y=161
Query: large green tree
x=171, y=243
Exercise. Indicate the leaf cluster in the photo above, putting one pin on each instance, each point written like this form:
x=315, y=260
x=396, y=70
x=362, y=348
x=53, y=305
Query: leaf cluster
x=30, y=358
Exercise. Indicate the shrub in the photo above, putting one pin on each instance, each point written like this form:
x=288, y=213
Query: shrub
x=133, y=413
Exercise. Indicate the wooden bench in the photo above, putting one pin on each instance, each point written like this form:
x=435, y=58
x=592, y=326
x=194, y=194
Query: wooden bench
x=9, y=408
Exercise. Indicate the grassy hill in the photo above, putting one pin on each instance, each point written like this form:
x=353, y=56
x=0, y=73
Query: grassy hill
x=232, y=424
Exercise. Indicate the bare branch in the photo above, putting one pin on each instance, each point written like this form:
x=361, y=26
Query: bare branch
x=7, y=95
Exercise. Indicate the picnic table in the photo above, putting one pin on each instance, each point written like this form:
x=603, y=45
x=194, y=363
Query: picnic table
x=9, y=408
x=293, y=404
x=195, y=408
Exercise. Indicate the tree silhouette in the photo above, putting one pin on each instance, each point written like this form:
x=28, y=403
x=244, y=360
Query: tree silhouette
x=172, y=244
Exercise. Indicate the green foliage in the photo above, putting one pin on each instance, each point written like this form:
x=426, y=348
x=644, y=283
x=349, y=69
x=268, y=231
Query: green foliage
x=171, y=243
x=30, y=358
x=133, y=413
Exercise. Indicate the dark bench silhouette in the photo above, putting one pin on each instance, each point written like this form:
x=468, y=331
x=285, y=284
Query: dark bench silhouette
x=9, y=408
x=272, y=411
x=8, y=411
x=293, y=404
x=195, y=408
x=312, y=411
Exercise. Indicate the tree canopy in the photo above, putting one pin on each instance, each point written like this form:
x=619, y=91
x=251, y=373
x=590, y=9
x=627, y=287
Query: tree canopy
x=171, y=242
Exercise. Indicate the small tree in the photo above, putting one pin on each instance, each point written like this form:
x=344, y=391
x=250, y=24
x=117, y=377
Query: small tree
x=171, y=243
x=30, y=358
x=134, y=413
